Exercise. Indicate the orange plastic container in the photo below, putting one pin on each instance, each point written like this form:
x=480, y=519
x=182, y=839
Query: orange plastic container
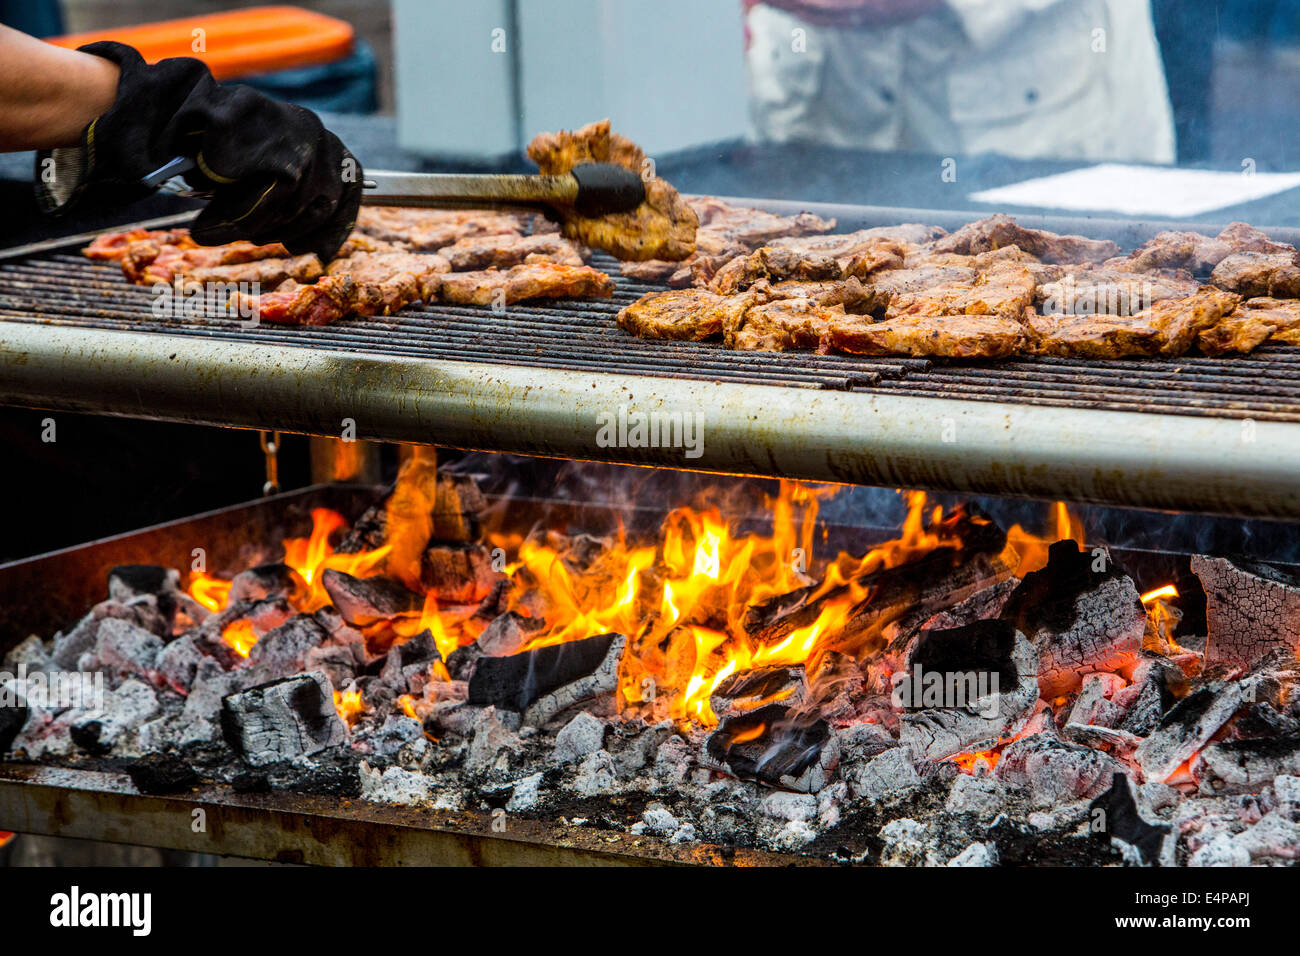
x=237, y=43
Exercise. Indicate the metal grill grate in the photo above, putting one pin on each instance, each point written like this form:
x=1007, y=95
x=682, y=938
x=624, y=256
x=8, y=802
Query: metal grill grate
x=63, y=288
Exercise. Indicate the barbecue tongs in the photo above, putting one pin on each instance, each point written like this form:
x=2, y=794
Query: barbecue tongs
x=591, y=189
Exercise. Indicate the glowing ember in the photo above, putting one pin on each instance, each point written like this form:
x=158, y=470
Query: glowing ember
x=6, y=836
x=1168, y=591
x=349, y=705
x=240, y=637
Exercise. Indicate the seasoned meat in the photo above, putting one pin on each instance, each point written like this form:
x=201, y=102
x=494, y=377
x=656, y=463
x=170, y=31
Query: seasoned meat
x=483, y=252
x=661, y=227
x=529, y=280
x=774, y=263
x=1005, y=289
x=752, y=228
x=1112, y=291
x=778, y=326
x=684, y=314
x=1250, y=324
x=952, y=336
x=1000, y=230
x=147, y=261
x=428, y=230
x=1253, y=274
x=320, y=303
x=387, y=281
x=112, y=246
x=267, y=273
x=1196, y=252
x=361, y=242
x=850, y=294
x=1167, y=328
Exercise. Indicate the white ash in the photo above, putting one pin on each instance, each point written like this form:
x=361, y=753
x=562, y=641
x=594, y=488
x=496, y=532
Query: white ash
x=984, y=795
x=178, y=663
x=684, y=834
x=906, y=842
x=888, y=774
x=794, y=836
x=30, y=654
x=673, y=762
x=493, y=745
x=1188, y=727
x=656, y=820
x=1286, y=787
x=399, y=738
x=1221, y=851
x=829, y=801
x=526, y=793
x=393, y=785
x=126, y=708
x=581, y=736
x=784, y=806
x=1054, y=771
x=596, y=775
x=977, y=854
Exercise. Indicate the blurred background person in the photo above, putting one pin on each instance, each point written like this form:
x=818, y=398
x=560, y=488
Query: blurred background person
x=1065, y=79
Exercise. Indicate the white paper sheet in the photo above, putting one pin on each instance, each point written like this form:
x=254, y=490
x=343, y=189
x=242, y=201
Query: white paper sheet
x=1140, y=190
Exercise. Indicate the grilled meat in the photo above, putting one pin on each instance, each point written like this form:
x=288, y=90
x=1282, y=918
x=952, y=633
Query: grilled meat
x=661, y=227
x=683, y=314
x=1251, y=324
x=1253, y=274
x=112, y=246
x=529, y=280
x=1167, y=328
x=1198, y=253
x=148, y=261
x=266, y=273
x=850, y=294
x=387, y=281
x=483, y=252
x=320, y=303
x=1000, y=230
x=752, y=228
x=951, y=336
x=773, y=263
x=1112, y=291
x=779, y=325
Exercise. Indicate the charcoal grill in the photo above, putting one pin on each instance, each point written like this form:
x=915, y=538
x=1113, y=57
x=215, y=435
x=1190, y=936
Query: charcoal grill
x=1193, y=434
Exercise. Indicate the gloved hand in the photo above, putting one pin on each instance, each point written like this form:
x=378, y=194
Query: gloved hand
x=276, y=174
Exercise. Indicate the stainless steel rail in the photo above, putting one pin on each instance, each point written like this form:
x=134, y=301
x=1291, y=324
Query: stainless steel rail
x=1184, y=462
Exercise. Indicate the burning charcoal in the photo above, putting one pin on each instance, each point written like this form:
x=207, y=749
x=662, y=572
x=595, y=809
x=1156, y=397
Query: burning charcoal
x=1114, y=816
x=1155, y=685
x=773, y=747
x=583, y=735
x=1251, y=609
x=1093, y=705
x=458, y=573
x=128, y=581
x=506, y=635
x=1245, y=766
x=69, y=647
x=124, y=709
x=1056, y=772
x=408, y=664
x=1262, y=719
x=178, y=663
x=283, y=651
x=749, y=690
x=1187, y=727
x=964, y=688
x=338, y=661
x=1078, y=618
x=282, y=720
x=911, y=592
x=980, y=606
x=262, y=582
x=456, y=511
x=497, y=601
x=123, y=650
x=365, y=601
x=548, y=680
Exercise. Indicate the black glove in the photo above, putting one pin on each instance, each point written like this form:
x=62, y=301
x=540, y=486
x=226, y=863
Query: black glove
x=275, y=173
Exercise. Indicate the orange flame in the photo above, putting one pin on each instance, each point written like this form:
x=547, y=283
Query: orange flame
x=240, y=636
x=1168, y=591
x=5, y=837
x=349, y=705
x=1032, y=548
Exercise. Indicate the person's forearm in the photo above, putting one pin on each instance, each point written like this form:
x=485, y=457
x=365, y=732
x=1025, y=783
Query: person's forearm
x=48, y=94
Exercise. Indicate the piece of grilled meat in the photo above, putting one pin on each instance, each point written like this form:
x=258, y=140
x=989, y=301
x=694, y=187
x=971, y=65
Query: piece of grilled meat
x=661, y=227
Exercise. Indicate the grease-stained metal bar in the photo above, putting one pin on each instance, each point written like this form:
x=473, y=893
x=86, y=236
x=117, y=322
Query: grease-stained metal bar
x=1183, y=462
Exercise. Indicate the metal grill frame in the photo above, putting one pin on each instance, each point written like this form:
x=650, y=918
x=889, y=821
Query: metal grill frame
x=1207, y=435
